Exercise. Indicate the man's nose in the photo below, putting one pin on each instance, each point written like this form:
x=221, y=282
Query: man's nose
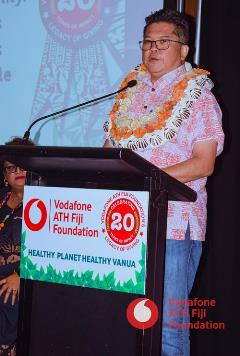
x=153, y=46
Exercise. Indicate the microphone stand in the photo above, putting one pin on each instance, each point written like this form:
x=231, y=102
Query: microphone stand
x=130, y=84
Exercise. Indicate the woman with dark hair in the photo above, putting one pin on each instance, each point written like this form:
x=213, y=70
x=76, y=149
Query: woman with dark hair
x=10, y=234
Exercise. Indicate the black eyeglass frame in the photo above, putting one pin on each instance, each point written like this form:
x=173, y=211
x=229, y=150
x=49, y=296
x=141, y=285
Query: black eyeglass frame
x=12, y=169
x=163, y=39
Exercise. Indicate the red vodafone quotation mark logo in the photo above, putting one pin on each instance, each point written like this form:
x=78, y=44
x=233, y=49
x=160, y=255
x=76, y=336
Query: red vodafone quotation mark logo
x=41, y=206
x=142, y=313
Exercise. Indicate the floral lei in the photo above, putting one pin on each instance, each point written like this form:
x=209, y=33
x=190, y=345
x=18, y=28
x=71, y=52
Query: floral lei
x=163, y=123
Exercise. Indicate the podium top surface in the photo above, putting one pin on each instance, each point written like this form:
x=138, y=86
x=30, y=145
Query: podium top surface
x=93, y=162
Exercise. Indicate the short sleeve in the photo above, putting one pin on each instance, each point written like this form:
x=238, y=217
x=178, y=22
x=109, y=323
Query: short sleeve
x=206, y=123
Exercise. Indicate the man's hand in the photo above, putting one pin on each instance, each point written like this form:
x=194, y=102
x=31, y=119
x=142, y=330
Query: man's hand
x=10, y=286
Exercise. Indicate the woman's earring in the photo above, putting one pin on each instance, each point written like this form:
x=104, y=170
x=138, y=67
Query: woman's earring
x=5, y=183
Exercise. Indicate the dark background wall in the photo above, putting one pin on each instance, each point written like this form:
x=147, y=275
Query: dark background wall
x=218, y=275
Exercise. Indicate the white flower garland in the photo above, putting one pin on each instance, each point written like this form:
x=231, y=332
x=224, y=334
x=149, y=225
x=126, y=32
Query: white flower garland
x=180, y=113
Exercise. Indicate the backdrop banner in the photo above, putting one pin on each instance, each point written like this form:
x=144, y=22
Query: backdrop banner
x=58, y=53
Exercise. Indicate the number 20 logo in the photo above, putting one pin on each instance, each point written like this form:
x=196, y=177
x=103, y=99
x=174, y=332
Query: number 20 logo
x=122, y=221
x=127, y=223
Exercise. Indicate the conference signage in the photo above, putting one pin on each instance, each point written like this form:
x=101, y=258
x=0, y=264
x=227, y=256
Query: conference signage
x=85, y=237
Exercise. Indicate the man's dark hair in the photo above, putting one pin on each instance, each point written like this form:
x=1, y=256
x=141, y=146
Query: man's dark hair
x=171, y=16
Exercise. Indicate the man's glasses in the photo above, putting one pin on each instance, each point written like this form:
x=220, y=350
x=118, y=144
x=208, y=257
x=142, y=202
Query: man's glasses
x=12, y=168
x=164, y=43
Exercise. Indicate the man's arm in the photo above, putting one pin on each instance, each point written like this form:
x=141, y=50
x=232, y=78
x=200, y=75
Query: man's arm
x=200, y=165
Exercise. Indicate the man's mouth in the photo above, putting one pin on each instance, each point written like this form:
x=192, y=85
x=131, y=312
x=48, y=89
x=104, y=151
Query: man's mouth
x=154, y=59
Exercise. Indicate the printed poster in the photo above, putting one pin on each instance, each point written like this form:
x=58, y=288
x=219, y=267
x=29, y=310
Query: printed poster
x=85, y=237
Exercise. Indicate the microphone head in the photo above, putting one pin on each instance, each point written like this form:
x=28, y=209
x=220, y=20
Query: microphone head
x=132, y=83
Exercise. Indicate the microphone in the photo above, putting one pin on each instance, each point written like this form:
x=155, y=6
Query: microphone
x=130, y=84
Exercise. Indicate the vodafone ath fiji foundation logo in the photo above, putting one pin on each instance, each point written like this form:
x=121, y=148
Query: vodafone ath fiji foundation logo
x=123, y=221
x=142, y=313
x=35, y=214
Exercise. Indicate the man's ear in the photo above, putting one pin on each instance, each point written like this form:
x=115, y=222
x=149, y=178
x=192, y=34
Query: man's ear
x=184, y=52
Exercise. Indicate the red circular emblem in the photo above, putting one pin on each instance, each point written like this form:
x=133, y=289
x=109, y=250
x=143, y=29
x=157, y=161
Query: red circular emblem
x=73, y=21
x=142, y=313
x=122, y=221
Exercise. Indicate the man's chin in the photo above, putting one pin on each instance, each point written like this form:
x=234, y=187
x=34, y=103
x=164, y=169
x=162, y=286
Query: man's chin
x=155, y=67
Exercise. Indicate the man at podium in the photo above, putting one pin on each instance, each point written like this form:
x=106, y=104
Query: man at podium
x=171, y=118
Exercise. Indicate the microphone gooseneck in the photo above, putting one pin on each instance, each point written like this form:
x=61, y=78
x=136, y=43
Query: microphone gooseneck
x=130, y=84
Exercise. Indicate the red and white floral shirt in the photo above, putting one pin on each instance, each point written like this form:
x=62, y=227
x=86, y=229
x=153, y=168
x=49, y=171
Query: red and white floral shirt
x=203, y=124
